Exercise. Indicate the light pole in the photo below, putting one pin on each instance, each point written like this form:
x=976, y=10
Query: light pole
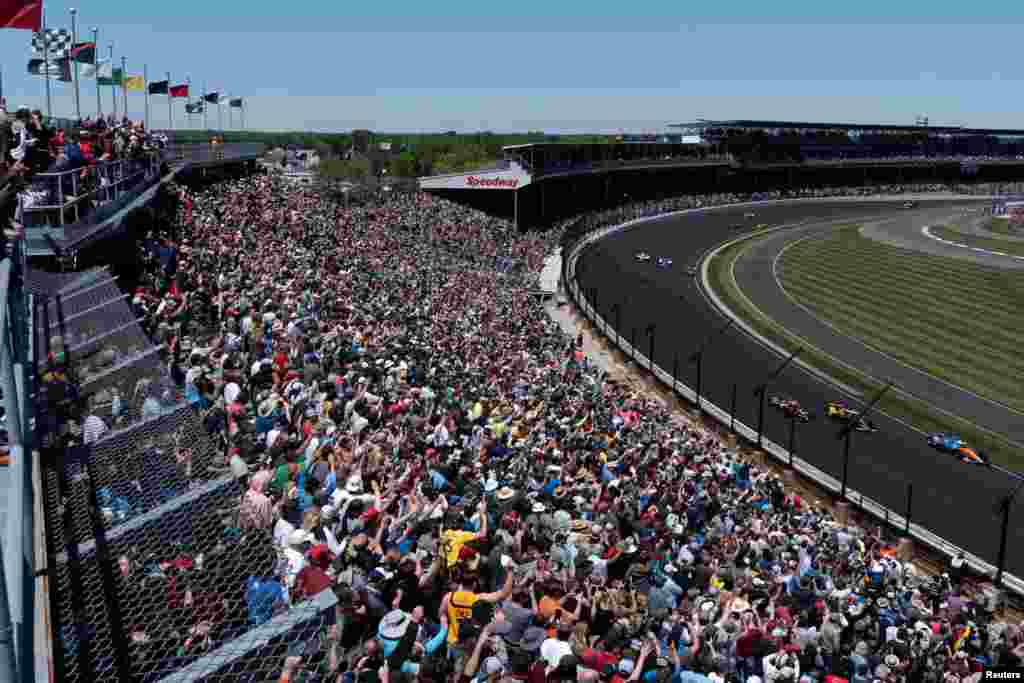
x=762, y=389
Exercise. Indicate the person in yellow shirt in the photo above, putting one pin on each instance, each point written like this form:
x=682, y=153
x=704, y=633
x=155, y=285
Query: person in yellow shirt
x=454, y=538
x=458, y=607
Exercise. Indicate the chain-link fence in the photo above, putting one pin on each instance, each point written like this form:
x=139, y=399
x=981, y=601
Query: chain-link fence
x=152, y=574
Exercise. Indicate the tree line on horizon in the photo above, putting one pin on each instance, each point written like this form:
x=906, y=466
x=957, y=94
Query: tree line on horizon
x=410, y=155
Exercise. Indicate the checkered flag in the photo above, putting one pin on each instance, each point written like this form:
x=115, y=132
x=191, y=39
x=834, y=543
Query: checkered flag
x=55, y=41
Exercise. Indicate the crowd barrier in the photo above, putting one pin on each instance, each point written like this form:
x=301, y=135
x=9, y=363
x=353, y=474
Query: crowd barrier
x=874, y=508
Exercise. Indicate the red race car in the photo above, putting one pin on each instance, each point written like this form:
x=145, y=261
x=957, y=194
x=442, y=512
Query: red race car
x=791, y=408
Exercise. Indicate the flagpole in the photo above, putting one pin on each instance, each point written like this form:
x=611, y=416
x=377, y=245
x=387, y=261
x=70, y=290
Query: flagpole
x=220, y=115
x=113, y=87
x=231, y=116
x=96, y=68
x=74, y=61
x=170, y=110
x=203, y=99
x=145, y=82
x=46, y=67
x=188, y=114
x=124, y=84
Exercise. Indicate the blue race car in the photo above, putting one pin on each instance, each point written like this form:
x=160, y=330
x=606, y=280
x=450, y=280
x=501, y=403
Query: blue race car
x=955, y=446
x=664, y=262
x=945, y=442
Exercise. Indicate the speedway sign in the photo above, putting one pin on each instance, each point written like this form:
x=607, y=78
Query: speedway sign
x=492, y=183
x=493, y=180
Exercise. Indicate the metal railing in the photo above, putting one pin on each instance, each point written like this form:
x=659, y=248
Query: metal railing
x=727, y=418
x=17, y=590
x=60, y=198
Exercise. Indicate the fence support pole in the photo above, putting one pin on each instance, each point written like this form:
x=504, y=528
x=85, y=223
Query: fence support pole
x=675, y=371
x=732, y=410
x=792, y=440
x=906, y=517
x=846, y=463
x=760, y=416
x=650, y=349
x=700, y=372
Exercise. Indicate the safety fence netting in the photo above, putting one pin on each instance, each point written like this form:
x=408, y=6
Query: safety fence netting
x=150, y=571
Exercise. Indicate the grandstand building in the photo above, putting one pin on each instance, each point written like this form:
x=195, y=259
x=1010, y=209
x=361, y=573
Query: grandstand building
x=802, y=141
x=536, y=184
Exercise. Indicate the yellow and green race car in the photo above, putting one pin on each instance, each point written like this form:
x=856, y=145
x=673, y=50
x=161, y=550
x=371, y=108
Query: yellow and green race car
x=837, y=410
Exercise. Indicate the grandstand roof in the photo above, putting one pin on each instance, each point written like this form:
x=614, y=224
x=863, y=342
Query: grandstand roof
x=803, y=125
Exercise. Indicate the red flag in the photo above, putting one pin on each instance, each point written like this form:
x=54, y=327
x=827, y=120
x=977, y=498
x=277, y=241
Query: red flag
x=179, y=91
x=26, y=14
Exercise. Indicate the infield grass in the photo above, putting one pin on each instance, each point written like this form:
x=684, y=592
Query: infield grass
x=1001, y=226
x=953, y=319
x=911, y=410
x=989, y=243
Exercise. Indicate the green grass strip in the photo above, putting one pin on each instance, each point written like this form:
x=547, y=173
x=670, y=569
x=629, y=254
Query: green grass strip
x=915, y=412
x=1001, y=226
x=943, y=328
x=990, y=243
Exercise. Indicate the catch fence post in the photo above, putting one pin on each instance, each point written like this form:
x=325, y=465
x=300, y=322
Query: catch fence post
x=906, y=518
x=732, y=410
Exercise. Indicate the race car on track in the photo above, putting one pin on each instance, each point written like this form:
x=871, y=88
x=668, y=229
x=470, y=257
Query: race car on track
x=643, y=256
x=737, y=226
x=761, y=226
x=691, y=271
x=837, y=410
x=664, y=262
x=955, y=446
x=909, y=205
x=749, y=214
x=791, y=408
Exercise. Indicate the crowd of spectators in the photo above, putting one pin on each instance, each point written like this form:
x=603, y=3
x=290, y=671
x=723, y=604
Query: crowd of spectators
x=30, y=146
x=413, y=432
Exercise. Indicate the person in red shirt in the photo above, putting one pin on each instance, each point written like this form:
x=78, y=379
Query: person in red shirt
x=85, y=144
x=313, y=578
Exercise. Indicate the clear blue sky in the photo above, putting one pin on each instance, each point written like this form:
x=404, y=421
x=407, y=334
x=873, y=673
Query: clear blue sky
x=560, y=66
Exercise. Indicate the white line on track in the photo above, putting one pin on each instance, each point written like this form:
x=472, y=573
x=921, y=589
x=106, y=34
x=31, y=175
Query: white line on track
x=926, y=231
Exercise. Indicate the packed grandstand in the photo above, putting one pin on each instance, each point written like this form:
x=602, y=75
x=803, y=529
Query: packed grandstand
x=362, y=406
x=403, y=428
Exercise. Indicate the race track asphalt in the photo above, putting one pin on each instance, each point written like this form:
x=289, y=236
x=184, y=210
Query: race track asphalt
x=953, y=500
x=756, y=277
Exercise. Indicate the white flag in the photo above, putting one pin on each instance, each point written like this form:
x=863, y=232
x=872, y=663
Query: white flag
x=90, y=70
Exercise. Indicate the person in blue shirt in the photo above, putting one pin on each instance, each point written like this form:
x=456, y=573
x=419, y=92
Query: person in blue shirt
x=264, y=592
